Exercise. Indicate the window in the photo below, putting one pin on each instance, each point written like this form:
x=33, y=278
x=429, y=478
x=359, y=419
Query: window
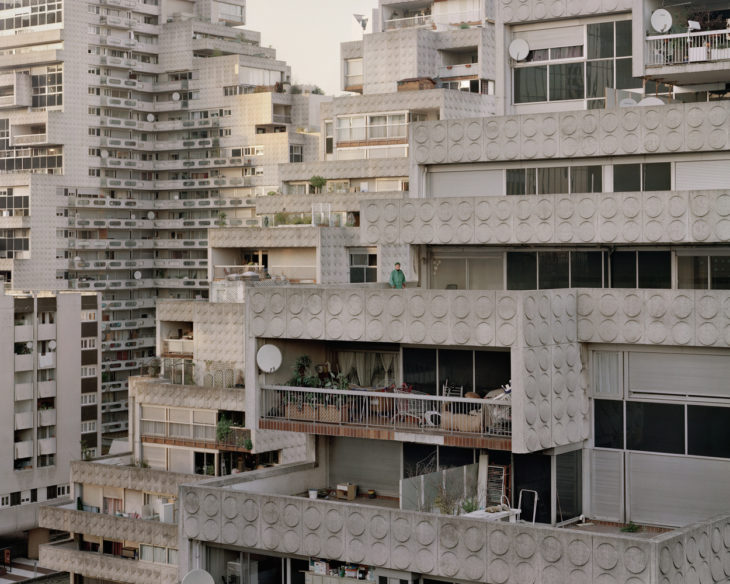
x=363, y=265
x=642, y=177
x=647, y=424
x=708, y=431
x=88, y=399
x=608, y=430
x=88, y=371
x=353, y=73
x=5, y=501
x=87, y=427
x=605, y=64
x=652, y=269
x=329, y=137
x=88, y=343
x=555, y=180
x=88, y=315
x=63, y=490
x=295, y=153
x=703, y=272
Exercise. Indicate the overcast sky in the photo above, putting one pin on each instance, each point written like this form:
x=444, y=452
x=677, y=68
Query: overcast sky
x=307, y=35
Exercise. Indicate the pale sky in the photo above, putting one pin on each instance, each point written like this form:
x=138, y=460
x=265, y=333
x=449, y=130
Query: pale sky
x=307, y=34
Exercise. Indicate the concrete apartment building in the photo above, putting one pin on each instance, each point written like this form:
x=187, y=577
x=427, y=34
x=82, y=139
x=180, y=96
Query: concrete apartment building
x=50, y=373
x=130, y=129
x=561, y=345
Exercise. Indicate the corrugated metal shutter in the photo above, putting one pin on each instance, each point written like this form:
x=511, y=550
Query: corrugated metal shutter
x=676, y=490
x=679, y=374
x=154, y=456
x=370, y=464
x=466, y=183
x=180, y=460
x=547, y=38
x=607, y=479
x=702, y=174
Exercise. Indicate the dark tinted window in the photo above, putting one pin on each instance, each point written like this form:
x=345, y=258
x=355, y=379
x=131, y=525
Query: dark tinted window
x=655, y=427
x=626, y=178
x=708, y=431
x=456, y=368
x=419, y=369
x=585, y=269
x=566, y=81
x=657, y=176
x=600, y=40
x=521, y=271
x=609, y=423
x=586, y=179
x=655, y=269
x=554, y=269
x=623, y=269
x=530, y=84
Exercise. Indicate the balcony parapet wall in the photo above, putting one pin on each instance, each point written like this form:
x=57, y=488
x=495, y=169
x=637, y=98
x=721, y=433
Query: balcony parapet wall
x=661, y=217
x=111, y=526
x=513, y=12
x=63, y=558
x=444, y=546
x=668, y=129
x=129, y=477
x=151, y=392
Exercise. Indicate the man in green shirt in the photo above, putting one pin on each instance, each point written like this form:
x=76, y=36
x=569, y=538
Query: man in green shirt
x=397, y=277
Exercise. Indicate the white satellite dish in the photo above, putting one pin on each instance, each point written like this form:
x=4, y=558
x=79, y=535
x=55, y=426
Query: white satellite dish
x=29, y=344
x=150, y=117
x=51, y=344
x=176, y=96
x=150, y=215
x=137, y=275
x=268, y=358
x=77, y=259
x=198, y=576
x=651, y=101
x=132, y=216
x=661, y=20
x=104, y=154
x=627, y=102
x=519, y=49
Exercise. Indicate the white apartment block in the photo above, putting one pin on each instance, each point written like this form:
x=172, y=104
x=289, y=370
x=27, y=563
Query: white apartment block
x=131, y=128
x=561, y=346
x=50, y=372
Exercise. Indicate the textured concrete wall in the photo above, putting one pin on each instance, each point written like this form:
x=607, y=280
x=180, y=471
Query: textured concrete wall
x=514, y=11
x=451, y=547
x=635, y=130
x=667, y=217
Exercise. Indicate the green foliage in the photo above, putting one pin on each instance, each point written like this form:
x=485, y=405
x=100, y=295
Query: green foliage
x=223, y=429
x=248, y=445
x=631, y=528
x=317, y=182
x=295, y=90
x=469, y=505
x=317, y=91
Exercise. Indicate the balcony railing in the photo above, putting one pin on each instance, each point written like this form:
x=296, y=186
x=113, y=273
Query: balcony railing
x=234, y=437
x=409, y=22
x=29, y=139
x=678, y=49
x=178, y=346
x=398, y=411
x=461, y=70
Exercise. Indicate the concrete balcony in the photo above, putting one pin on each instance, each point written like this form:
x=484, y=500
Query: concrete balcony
x=46, y=332
x=697, y=57
x=67, y=518
x=476, y=423
x=178, y=346
x=24, y=449
x=266, y=511
x=23, y=332
x=194, y=436
x=23, y=362
x=462, y=70
x=47, y=446
x=47, y=388
x=28, y=139
x=47, y=417
x=47, y=361
x=114, y=406
x=130, y=477
x=23, y=391
x=114, y=426
x=23, y=420
x=153, y=391
x=425, y=21
x=66, y=558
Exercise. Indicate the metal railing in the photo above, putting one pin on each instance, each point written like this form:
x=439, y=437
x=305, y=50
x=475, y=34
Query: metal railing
x=22, y=139
x=409, y=22
x=677, y=49
x=397, y=410
x=235, y=436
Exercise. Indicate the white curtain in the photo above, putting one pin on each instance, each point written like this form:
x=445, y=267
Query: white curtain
x=387, y=360
x=606, y=373
x=346, y=359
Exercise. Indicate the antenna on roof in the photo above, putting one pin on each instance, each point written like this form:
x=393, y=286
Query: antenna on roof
x=361, y=20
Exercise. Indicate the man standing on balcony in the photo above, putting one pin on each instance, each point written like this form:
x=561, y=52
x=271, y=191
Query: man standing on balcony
x=397, y=277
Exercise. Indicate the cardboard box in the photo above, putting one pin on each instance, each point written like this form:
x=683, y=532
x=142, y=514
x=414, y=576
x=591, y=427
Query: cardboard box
x=346, y=491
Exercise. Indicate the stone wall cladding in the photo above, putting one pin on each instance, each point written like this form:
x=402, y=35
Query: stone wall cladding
x=345, y=169
x=100, y=566
x=151, y=391
x=104, y=525
x=129, y=477
x=625, y=131
x=452, y=547
x=513, y=12
x=661, y=217
x=258, y=237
